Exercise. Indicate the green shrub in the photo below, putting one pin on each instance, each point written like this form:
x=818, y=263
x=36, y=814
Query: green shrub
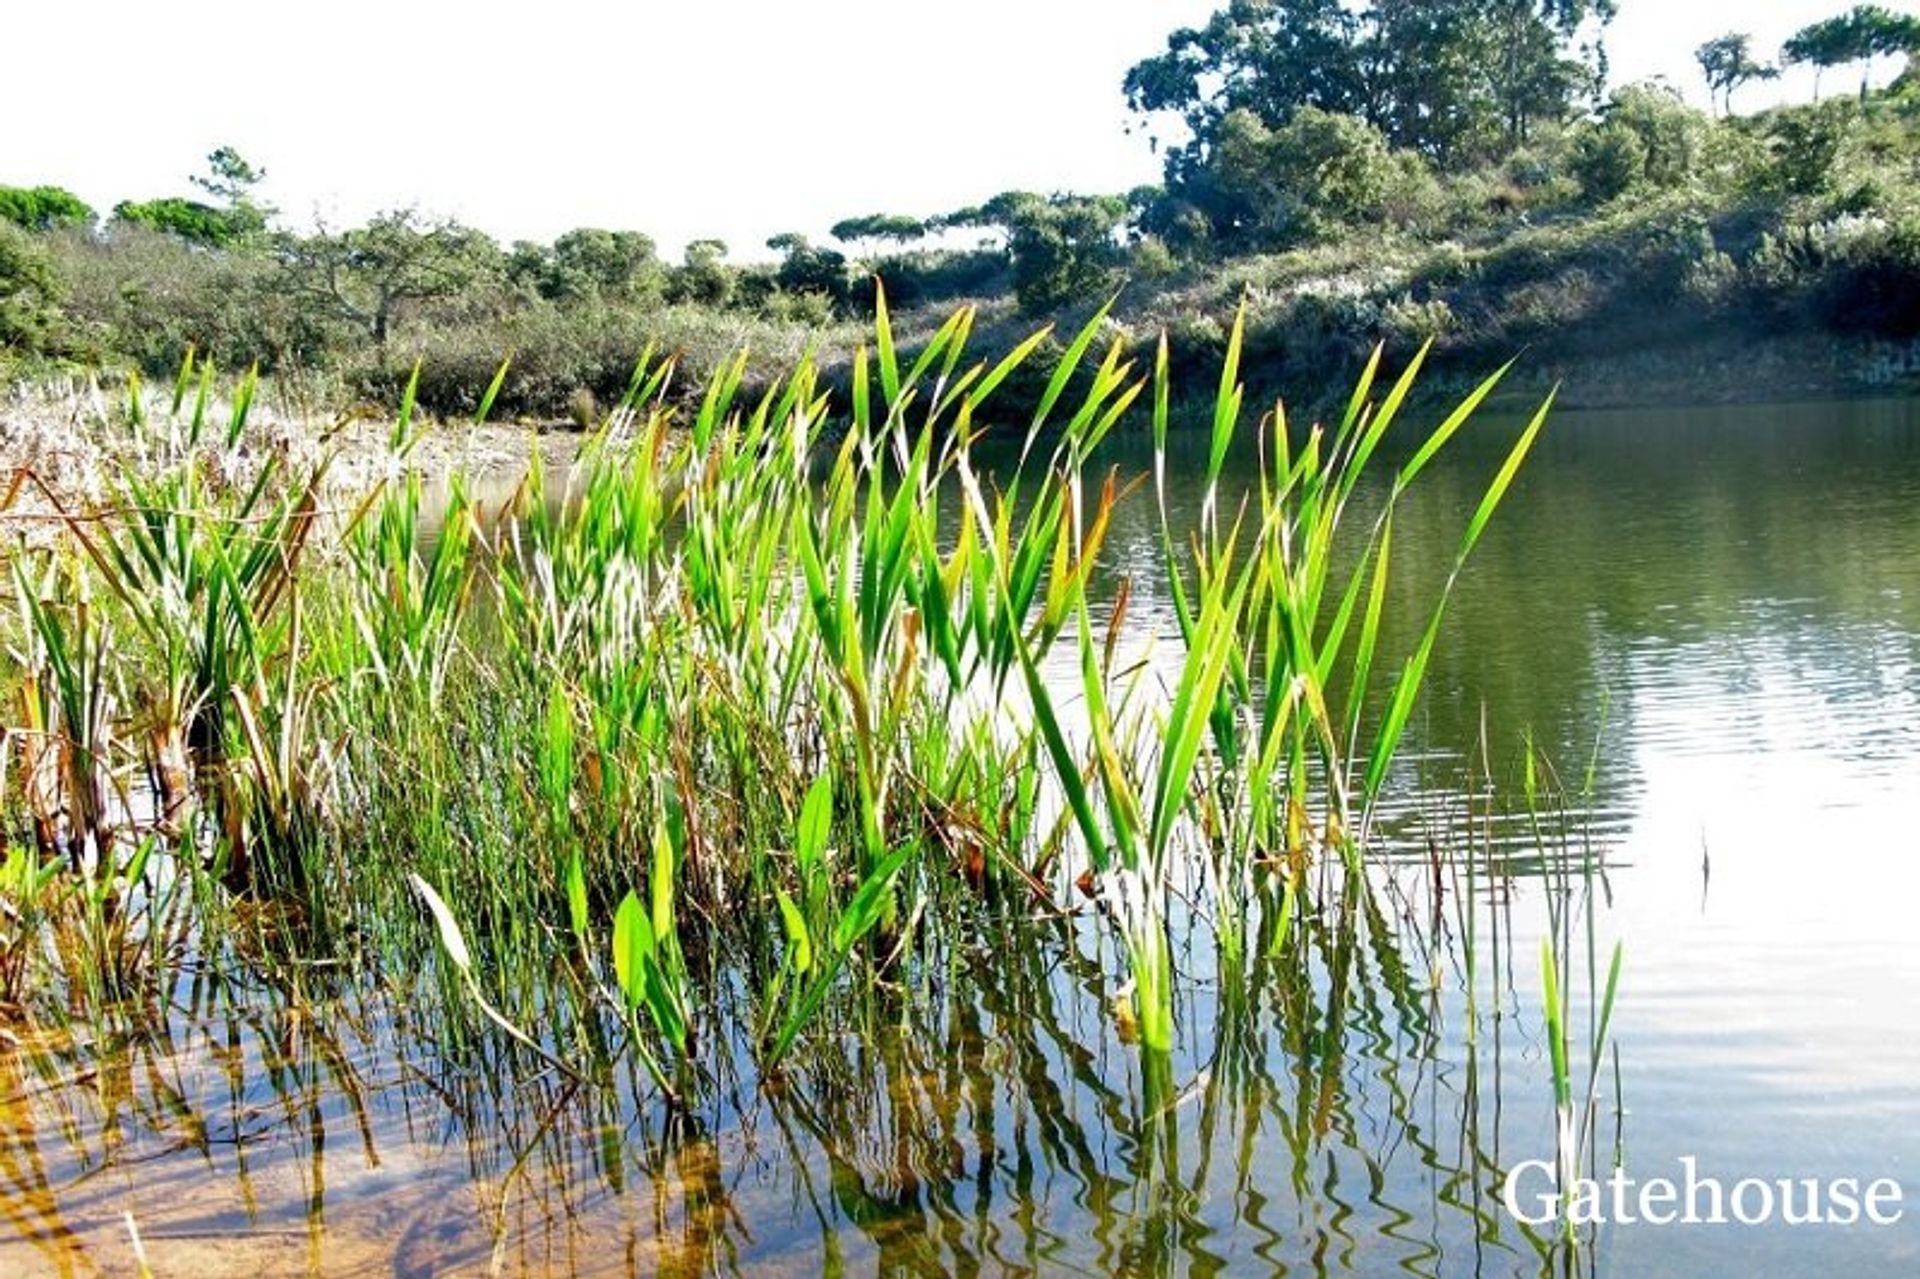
x=808, y=270
x=1310, y=176
x=1669, y=254
x=588, y=263
x=1063, y=248
x=1711, y=280
x=1609, y=160
x=560, y=351
x=1543, y=164
x=1805, y=146
x=1179, y=223
x=1406, y=322
x=1150, y=259
x=1547, y=307
x=1873, y=286
x=808, y=307
x=29, y=316
x=1446, y=263
x=1782, y=263
x=1673, y=135
x=925, y=278
x=1414, y=199
x=1854, y=274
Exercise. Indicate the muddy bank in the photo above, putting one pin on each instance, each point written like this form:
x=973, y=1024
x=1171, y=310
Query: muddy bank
x=1729, y=368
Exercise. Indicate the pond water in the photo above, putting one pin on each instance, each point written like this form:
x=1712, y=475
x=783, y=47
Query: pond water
x=1706, y=621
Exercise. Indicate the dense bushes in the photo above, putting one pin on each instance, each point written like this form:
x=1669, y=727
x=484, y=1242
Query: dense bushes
x=1061, y=249
x=1874, y=286
x=589, y=264
x=1610, y=160
x=928, y=278
x=1853, y=274
x=1804, y=146
x=356, y=308
x=27, y=313
x=1647, y=223
x=1307, y=178
x=1645, y=136
x=148, y=297
x=564, y=356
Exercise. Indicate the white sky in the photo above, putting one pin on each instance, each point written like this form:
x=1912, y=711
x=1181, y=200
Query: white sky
x=733, y=118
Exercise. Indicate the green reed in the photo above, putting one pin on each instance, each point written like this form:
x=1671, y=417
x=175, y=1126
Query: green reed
x=762, y=710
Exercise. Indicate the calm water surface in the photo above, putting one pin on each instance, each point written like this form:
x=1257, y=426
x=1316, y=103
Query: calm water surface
x=1713, y=614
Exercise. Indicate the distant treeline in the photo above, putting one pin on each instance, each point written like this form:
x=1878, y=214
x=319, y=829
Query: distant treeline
x=1388, y=171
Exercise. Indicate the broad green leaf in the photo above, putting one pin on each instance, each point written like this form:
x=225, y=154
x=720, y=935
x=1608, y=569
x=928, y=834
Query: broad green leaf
x=799, y=940
x=816, y=822
x=633, y=947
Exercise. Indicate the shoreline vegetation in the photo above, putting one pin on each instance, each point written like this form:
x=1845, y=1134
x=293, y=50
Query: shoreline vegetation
x=749, y=735
x=1636, y=249
x=807, y=674
x=68, y=431
x=215, y=664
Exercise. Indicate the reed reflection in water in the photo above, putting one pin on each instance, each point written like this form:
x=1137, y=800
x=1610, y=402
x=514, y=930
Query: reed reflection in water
x=1346, y=1103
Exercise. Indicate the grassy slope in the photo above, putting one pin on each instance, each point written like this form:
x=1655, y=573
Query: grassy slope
x=1729, y=286
x=1736, y=283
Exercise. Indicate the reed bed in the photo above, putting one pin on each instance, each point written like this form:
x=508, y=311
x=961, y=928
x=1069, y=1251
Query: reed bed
x=750, y=719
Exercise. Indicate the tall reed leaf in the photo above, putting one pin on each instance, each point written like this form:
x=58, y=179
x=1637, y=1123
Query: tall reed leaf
x=1400, y=708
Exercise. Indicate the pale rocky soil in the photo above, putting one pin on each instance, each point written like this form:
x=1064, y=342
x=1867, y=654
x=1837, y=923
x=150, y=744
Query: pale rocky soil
x=62, y=447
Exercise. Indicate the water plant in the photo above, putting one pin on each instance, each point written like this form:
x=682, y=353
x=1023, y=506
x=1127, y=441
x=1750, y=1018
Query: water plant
x=1574, y=1120
x=747, y=716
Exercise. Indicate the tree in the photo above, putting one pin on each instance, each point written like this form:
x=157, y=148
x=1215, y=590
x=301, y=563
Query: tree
x=1727, y=62
x=1862, y=34
x=607, y=264
x=703, y=277
x=1429, y=73
x=894, y=228
x=1534, y=79
x=1447, y=78
x=1806, y=145
x=1824, y=45
x=190, y=220
x=587, y=263
x=1270, y=57
x=1064, y=247
x=43, y=208
x=1609, y=159
x=807, y=268
x=229, y=179
x=368, y=276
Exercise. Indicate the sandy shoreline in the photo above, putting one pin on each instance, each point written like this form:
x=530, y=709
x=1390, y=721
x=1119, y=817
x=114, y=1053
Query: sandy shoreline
x=60, y=451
